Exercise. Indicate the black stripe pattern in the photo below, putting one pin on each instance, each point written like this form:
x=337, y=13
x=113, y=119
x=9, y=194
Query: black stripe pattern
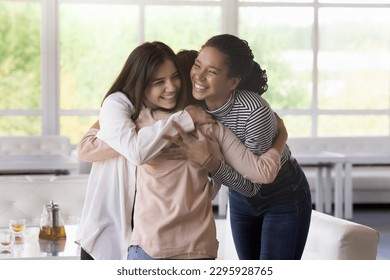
x=252, y=120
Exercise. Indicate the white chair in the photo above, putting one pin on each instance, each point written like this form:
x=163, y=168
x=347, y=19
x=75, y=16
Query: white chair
x=329, y=238
x=332, y=238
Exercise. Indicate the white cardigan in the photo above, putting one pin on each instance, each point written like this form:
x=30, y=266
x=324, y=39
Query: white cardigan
x=105, y=224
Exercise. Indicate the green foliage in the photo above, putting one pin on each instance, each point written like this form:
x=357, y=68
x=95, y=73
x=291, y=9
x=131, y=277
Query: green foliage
x=95, y=40
x=287, y=88
x=20, y=125
x=353, y=125
x=355, y=29
x=184, y=27
x=20, y=68
x=352, y=90
x=76, y=132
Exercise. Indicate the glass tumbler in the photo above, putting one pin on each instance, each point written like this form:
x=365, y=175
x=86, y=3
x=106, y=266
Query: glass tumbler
x=17, y=226
x=7, y=239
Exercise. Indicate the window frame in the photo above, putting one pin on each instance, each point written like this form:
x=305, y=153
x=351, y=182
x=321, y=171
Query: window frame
x=51, y=112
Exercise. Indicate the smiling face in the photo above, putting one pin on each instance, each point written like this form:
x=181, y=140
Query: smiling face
x=210, y=78
x=164, y=87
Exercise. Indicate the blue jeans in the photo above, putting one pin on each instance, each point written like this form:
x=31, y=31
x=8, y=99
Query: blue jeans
x=274, y=224
x=136, y=253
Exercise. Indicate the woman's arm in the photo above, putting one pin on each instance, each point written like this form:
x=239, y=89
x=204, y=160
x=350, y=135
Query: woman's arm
x=260, y=169
x=241, y=166
x=260, y=130
x=92, y=149
x=241, y=170
x=281, y=139
x=242, y=180
x=119, y=131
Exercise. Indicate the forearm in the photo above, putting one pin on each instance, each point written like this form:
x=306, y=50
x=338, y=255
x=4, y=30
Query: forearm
x=242, y=170
x=224, y=174
x=227, y=176
x=119, y=131
x=91, y=149
x=261, y=169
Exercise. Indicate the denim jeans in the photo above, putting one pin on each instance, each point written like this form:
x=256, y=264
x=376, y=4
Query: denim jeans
x=274, y=224
x=136, y=253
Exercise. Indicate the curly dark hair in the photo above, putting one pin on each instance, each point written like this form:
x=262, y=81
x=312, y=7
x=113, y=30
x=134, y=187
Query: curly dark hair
x=241, y=63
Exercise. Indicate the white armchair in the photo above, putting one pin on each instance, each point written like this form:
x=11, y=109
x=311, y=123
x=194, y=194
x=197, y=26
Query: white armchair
x=329, y=238
x=332, y=238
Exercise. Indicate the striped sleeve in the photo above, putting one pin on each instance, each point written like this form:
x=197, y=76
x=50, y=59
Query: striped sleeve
x=260, y=130
x=229, y=177
x=254, y=122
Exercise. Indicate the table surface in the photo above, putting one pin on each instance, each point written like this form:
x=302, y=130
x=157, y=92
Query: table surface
x=369, y=158
x=320, y=157
x=317, y=157
x=26, y=164
x=343, y=164
x=29, y=246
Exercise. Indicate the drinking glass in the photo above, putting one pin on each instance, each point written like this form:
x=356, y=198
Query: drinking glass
x=17, y=226
x=7, y=239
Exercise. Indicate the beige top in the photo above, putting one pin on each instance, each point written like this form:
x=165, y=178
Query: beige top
x=105, y=224
x=173, y=215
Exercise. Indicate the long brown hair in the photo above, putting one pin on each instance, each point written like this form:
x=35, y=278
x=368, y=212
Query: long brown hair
x=136, y=74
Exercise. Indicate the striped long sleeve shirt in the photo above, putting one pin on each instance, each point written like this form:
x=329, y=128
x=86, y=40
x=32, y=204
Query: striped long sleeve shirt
x=252, y=120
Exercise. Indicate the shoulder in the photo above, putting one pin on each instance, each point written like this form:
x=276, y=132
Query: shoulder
x=250, y=99
x=250, y=103
x=119, y=96
x=117, y=99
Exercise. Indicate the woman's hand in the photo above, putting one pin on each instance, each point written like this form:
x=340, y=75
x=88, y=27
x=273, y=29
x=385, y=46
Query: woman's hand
x=282, y=130
x=196, y=148
x=172, y=153
x=282, y=135
x=96, y=125
x=198, y=115
x=194, y=145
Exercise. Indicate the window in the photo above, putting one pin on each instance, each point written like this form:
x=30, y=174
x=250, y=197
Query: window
x=20, y=68
x=182, y=27
x=280, y=38
x=327, y=61
x=353, y=71
x=95, y=40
